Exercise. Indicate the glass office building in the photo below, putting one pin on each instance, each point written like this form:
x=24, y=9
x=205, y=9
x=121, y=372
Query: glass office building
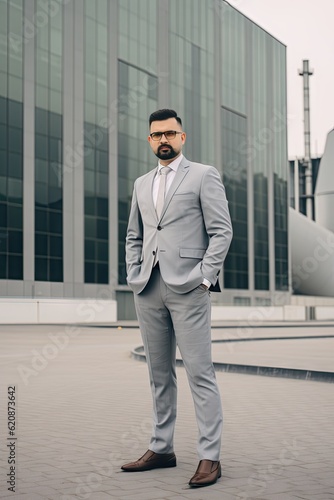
x=78, y=80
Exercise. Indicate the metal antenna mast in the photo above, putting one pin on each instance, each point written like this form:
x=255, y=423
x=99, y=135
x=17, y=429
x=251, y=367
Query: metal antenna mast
x=306, y=73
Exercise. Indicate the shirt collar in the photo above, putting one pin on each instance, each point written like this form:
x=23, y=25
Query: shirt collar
x=174, y=165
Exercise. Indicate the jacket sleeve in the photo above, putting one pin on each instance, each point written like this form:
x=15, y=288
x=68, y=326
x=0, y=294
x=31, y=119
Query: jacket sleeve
x=134, y=237
x=217, y=222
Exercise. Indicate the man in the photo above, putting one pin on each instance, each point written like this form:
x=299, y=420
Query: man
x=178, y=236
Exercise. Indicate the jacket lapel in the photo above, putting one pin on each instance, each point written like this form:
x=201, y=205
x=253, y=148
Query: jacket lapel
x=180, y=175
x=149, y=190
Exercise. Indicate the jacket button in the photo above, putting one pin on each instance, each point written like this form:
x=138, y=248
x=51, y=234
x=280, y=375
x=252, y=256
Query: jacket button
x=159, y=228
x=153, y=252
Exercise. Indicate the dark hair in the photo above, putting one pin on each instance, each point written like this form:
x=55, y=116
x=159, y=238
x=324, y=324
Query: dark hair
x=164, y=114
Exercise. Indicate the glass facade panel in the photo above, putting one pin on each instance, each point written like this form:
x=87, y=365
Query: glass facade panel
x=48, y=144
x=137, y=94
x=234, y=135
x=96, y=141
x=280, y=169
x=191, y=78
x=259, y=154
x=133, y=150
x=137, y=33
x=11, y=140
x=233, y=46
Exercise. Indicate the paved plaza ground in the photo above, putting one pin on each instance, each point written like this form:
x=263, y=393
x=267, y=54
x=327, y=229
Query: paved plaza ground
x=83, y=408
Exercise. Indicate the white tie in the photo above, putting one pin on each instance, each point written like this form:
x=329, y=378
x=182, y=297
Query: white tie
x=162, y=190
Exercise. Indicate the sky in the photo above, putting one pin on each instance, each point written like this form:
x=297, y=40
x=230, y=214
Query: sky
x=306, y=27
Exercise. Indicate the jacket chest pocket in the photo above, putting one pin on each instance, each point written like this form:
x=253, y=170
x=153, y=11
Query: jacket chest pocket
x=185, y=196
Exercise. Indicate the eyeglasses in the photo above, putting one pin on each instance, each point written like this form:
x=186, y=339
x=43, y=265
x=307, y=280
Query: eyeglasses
x=170, y=134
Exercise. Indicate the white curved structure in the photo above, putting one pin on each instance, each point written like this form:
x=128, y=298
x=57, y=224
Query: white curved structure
x=324, y=191
x=312, y=255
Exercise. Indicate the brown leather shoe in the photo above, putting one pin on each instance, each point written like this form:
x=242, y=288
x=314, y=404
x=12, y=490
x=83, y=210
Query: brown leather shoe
x=151, y=460
x=207, y=473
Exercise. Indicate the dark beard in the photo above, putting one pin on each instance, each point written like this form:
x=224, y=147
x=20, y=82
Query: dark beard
x=169, y=155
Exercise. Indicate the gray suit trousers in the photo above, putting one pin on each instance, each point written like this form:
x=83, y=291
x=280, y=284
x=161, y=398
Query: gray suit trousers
x=167, y=319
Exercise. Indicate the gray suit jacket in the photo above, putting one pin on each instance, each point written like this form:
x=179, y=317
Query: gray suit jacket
x=192, y=236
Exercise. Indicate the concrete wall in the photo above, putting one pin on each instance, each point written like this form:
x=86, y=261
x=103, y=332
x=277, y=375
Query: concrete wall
x=258, y=315
x=57, y=311
x=75, y=311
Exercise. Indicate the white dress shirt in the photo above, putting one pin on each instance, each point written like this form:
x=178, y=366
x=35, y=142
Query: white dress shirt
x=174, y=165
